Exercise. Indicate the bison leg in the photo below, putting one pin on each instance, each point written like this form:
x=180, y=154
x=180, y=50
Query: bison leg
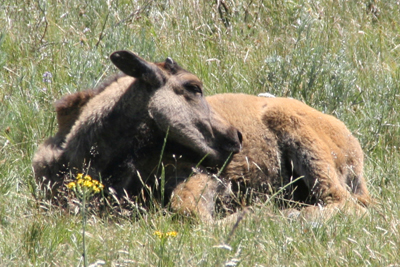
x=196, y=196
x=327, y=185
x=320, y=149
x=312, y=158
x=323, y=164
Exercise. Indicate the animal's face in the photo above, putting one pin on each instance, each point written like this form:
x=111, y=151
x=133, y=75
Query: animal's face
x=177, y=105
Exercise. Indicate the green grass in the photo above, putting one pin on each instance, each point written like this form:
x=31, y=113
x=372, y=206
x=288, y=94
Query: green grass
x=340, y=57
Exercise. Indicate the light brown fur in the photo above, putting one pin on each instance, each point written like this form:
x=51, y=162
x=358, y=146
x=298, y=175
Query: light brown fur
x=283, y=139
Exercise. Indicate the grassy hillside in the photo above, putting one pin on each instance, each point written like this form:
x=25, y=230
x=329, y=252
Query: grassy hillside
x=340, y=57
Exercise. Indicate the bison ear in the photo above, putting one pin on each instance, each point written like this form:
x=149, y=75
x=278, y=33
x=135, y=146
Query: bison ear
x=171, y=65
x=135, y=66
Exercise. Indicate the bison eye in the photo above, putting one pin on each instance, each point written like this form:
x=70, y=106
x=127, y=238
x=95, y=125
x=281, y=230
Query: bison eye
x=194, y=89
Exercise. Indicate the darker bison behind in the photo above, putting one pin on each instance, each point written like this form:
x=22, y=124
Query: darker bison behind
x=116, y=132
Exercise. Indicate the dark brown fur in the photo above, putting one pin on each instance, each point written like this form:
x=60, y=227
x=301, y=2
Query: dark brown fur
x=118, y=129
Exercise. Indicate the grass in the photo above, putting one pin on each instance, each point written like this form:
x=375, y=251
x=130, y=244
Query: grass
x=340, y=57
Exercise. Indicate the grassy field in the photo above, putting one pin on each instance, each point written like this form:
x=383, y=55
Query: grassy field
x=340, y=57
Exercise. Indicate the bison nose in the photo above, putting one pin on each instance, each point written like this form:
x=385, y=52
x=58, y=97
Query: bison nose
x=233, y=141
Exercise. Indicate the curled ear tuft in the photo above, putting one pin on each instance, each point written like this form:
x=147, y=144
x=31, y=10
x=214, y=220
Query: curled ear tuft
x=171, y=65
x=169, y=61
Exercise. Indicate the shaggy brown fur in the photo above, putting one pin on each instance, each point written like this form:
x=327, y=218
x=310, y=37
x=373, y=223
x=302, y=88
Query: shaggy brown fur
x=119, y=128
x=283, y=139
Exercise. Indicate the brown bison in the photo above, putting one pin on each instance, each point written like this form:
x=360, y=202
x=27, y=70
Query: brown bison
x=118, y=129
x=288, y=146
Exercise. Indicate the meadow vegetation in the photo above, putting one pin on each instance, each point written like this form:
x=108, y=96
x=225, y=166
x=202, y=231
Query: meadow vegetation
x=340, y=57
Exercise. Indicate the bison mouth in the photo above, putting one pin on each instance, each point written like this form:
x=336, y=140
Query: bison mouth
x=211, y=156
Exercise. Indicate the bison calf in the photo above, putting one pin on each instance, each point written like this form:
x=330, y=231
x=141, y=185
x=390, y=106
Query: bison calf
x=288, y=146
x=117, y=130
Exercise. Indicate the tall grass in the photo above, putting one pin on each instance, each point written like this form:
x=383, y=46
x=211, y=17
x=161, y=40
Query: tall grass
x=341, y=57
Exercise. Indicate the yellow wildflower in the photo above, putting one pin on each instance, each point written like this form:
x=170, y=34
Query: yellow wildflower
x=87, y=178
x=159, y=234
x=173, y=233
x=165, y=235
x=71, y=185
x=86, y=182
